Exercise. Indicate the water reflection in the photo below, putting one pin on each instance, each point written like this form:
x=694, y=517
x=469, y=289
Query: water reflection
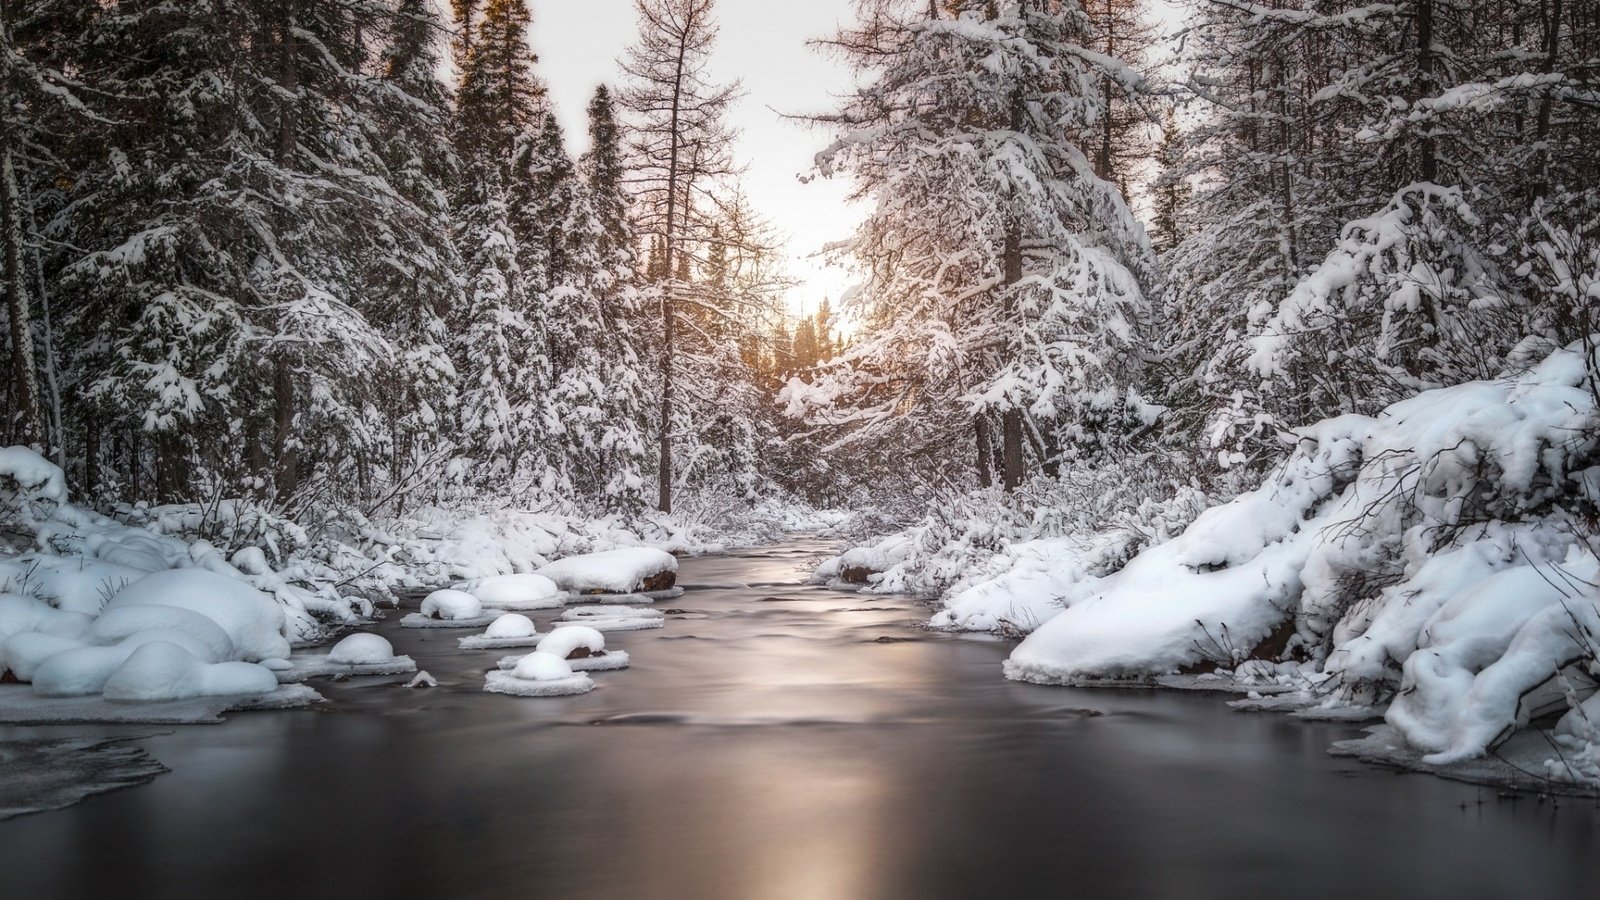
x=776, y=751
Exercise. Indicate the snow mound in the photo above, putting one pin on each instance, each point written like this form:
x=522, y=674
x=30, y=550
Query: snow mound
x=20, y=614
x=160, y=671
x=511, y=625
x=524, y=592
x=352, y=656
x=122, y=622
x=542, y=666
x=451, y=605
x=27, y=477
x=510, y=630
x=362, y=649
x=22, y=654
x=625, y=571
x=567, y=640
x=253, y=620
x=539, y=675
x=418, y=620
x=71, y=583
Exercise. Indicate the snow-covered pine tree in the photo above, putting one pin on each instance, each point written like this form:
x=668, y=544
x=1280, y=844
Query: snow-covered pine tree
x=1404, y=140
x=601, y=393
x=1004, y=290
x=159, y=300
x=416, y=280
x=501, y=348
x=39, y=46
x=243, y=223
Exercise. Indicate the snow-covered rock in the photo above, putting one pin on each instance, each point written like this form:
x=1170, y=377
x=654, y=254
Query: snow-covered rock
x=509, y=630
x=362, y=649
x=451, y=604
x=449, y=609
x=539, y=675
x=582, y=647
x=624, y=571
x=572, y=641
x=361, y=653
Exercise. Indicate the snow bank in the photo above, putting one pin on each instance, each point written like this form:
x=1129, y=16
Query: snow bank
x=163, y=671
x=21, y=706
x=1209, y=595
x=1002, y=560
x=1432, y=556
x=625, y=571
x=1359, y=497
x=253, y=620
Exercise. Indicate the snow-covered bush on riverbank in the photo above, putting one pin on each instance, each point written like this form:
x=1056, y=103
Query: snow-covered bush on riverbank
x=92, y=609
x=992, y=546
x=1439, y=555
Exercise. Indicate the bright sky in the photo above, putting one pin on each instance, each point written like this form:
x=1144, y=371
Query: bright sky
x=764, y=43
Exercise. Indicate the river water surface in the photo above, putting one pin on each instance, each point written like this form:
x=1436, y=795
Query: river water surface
x=784, y=742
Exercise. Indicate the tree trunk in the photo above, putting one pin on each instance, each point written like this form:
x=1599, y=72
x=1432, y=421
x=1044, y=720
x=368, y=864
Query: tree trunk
x=135, y=466
x=1429, y=163
x=288, y=469
x=172, y=470
x=1550, y=13
x=985, y=451
x=670, y=242
x=91, y=457
x=283, y=393
x=24, y=367
x=1012, y=463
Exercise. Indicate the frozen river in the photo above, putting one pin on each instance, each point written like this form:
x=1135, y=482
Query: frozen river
x=783, y=742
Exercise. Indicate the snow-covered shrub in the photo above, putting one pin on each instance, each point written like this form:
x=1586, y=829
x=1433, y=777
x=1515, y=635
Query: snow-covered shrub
x=1099, y=516
x=1440, y=555
x=1491, y=470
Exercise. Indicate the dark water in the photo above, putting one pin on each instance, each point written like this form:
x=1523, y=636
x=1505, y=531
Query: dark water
x=780, y=751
